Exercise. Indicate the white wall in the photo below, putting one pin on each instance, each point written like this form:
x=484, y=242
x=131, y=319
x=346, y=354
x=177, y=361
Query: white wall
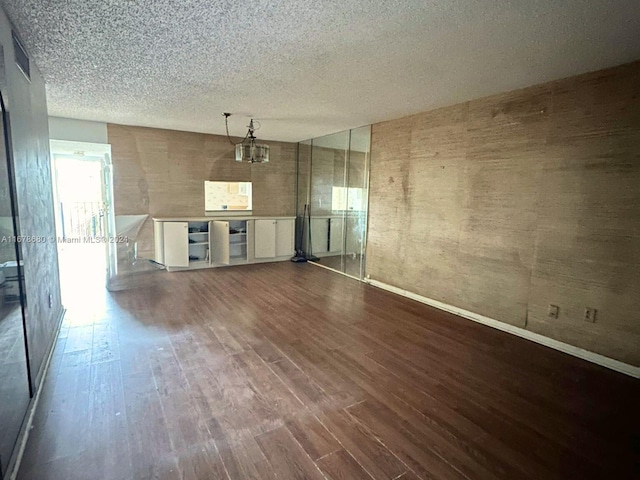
x=77, y=130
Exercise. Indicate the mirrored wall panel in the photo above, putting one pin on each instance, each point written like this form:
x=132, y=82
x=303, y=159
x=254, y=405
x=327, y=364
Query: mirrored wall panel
x=333, y=174
x=14, y=375
x=356, y=201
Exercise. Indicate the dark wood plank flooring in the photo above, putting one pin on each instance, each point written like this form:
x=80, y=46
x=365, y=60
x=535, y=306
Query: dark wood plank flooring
x=294, y=372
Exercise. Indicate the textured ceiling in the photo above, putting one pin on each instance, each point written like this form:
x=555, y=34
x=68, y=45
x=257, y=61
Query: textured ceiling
x=307, y=68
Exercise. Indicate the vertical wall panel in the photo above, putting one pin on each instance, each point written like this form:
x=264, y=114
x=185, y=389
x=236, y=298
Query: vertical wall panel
x=507, y=204
x=390, y=212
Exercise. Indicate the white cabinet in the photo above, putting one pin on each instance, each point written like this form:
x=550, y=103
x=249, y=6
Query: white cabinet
x=199, y=242
x=229, y=243
x=274, y=238
x=176, y=244
x=285, y=237
x=319, y=235
x=265, y=238
x=239, y=234
x=336, y=234
x=354, y=231
x=220, y=242
x=182, y=244
x=327, y=234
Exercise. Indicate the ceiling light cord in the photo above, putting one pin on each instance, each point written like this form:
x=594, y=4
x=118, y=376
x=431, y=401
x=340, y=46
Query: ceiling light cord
x=251, y=151
x=226, y=124
x=250, y=132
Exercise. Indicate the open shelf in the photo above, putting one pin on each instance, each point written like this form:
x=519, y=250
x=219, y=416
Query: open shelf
x=230, y=239
x=222, y=241
x=199, y=263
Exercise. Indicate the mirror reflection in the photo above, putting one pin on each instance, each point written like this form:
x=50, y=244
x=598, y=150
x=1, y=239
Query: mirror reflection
x=14, y=380
x=225, y=196
x=333, y=176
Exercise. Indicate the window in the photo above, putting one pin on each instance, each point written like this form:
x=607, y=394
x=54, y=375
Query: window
x=351, y=199
x=225, y=196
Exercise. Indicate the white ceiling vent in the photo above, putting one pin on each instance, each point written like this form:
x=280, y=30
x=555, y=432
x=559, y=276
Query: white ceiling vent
x=22, y=59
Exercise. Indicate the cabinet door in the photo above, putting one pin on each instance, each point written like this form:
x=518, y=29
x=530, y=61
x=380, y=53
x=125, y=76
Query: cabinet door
x=219, y=238
x=336, y=235
x=176, y=244
x=158, y=240
x=265, y=238
x=284, y=237
x=319, y=235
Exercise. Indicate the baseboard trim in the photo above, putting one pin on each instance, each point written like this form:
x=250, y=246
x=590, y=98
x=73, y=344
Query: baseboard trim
x=592, y=357
x=317, y=264
x=14, y=465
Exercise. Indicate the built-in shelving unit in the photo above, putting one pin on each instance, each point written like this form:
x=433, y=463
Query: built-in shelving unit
x=230, y=243
x=200, y=242
x=238, y=240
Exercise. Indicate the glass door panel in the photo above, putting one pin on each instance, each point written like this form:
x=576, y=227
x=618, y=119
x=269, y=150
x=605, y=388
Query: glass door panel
x=357, y=202
x=328, y=199
x=333, y=198
x=302, y=200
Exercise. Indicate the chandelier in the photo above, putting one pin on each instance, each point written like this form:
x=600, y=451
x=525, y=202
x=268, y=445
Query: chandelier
x=248, y=150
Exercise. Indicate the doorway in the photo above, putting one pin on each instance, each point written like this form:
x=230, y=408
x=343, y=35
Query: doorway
x=84, y=218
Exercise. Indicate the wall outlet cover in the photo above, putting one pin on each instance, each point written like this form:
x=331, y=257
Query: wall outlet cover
x=590, y=314
x=554, y=311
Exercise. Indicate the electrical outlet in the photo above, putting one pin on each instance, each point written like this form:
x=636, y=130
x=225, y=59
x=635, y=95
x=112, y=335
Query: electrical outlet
x=590, y=315
x=554, y=310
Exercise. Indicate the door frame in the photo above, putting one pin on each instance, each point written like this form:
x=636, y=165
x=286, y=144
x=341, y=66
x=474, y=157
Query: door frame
x=97, y=152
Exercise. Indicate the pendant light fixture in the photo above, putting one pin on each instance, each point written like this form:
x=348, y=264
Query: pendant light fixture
x=248, y=150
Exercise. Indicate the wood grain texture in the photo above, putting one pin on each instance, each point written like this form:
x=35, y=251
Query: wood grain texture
x=342, y=466
x=292, y=371
x=162, y=173
x=506, y=204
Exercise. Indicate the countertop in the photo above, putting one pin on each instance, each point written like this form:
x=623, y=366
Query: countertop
x=219, y=217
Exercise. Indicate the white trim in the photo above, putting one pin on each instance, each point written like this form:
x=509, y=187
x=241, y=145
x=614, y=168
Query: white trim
x=317, y=264
x=596, y=358
x=80, y=149
x=14, y=464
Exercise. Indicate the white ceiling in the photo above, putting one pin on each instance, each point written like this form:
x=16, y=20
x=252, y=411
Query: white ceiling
x=307, y=68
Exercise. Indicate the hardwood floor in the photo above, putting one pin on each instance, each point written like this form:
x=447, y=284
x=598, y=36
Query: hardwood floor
x=349, y=264
x=294, y=372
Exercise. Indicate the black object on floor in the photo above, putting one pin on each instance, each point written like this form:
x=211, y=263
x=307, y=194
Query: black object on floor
x=299, y=257
x=310, y=256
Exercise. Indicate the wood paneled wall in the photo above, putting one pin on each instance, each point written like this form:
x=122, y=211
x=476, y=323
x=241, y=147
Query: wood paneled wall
x=506, y=204
x=162, y=173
